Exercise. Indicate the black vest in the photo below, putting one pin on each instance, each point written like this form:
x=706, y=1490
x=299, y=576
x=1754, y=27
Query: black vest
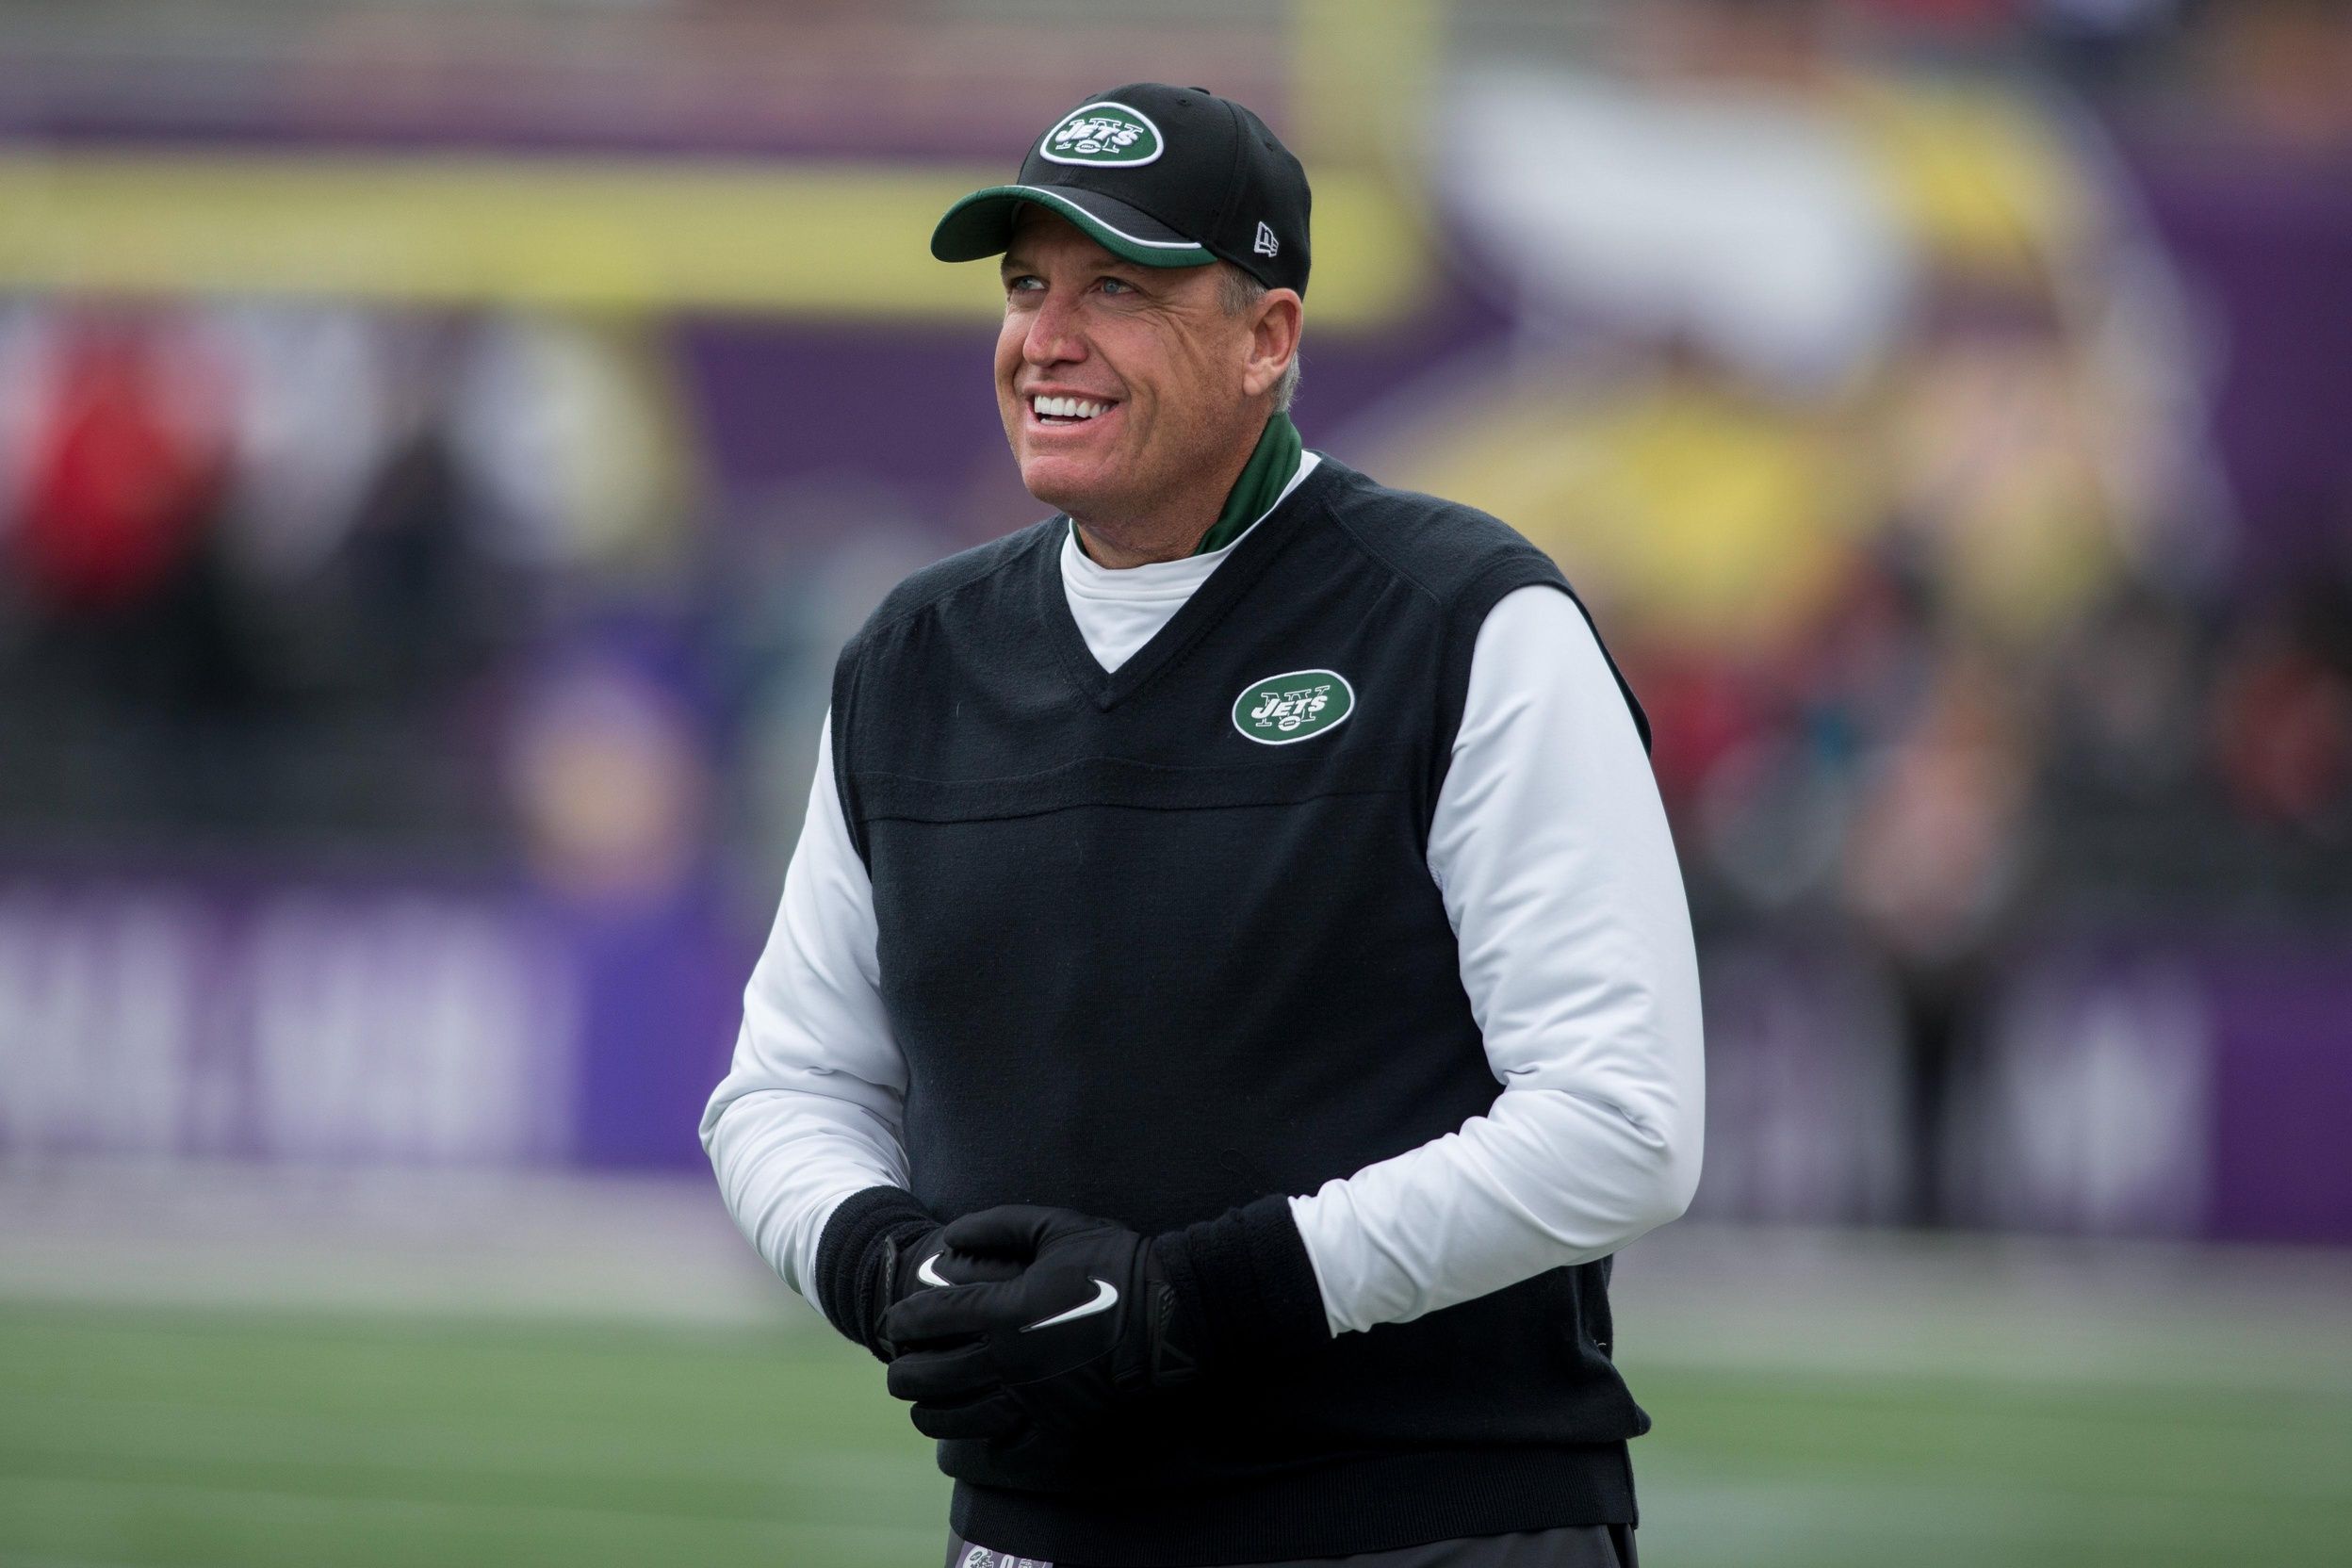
x=1151, y=954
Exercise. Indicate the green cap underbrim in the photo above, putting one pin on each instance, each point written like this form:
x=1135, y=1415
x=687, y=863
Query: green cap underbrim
x=981, y=225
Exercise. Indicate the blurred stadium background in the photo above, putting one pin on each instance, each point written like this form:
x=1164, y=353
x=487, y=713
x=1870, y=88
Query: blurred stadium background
x=443, y=444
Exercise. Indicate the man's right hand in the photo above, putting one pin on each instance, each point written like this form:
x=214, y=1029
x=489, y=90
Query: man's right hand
x=919, y=1260
x=879, y=1248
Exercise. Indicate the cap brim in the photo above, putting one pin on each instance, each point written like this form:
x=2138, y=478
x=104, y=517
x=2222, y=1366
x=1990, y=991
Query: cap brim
x=981, y=225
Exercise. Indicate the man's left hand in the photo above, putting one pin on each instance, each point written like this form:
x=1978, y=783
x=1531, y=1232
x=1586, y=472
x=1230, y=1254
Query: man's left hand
x=1092, y=1319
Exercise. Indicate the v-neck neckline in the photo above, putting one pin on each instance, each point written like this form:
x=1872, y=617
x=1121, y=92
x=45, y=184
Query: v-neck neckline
x=1248, y=558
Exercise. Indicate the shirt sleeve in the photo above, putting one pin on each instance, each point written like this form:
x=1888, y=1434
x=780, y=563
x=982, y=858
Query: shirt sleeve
x=1550, y=848
x=811, y=1109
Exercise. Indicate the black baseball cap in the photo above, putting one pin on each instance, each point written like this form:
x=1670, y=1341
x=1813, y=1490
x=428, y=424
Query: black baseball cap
x=1164, y=176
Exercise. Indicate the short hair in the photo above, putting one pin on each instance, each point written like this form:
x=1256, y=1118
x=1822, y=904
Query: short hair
x=1237, y=291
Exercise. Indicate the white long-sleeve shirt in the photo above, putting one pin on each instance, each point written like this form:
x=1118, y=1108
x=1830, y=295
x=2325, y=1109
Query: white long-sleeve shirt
x=1549, y=848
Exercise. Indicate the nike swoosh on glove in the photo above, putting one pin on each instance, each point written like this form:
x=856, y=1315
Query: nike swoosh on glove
x=1097, y=1315
x=880, y=1246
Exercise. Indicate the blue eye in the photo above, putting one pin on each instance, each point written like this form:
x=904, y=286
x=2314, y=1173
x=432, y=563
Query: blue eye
x=1119, y=286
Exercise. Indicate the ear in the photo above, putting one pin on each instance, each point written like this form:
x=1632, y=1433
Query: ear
x=1275, y=324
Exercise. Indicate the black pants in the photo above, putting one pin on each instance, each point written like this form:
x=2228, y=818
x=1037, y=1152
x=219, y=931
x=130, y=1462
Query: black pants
x=1575, y=1547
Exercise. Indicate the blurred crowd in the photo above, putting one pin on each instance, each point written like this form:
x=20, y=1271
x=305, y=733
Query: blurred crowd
x=318, y=579
x=1958, y=624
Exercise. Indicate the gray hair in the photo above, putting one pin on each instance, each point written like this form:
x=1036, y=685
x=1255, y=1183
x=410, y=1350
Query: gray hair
x=1237, y=291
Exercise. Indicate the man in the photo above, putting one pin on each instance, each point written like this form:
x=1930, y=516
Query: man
x=1234, y=992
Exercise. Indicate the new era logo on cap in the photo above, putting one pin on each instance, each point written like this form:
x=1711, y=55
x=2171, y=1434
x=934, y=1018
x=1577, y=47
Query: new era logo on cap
x=1265, y=244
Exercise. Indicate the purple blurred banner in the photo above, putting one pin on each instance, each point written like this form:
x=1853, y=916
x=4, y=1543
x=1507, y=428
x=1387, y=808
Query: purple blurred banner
x=355, y=1021
x=2163, y=1088
x=2263, y=241
x=2281, y=1061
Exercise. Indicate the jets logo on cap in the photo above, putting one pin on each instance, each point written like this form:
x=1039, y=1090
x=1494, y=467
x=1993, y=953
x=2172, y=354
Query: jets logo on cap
x=1105, y=133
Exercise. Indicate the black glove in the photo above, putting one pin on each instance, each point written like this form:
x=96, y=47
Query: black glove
x=880, y=1246
x=1090, y=1320
x=1096, y=1316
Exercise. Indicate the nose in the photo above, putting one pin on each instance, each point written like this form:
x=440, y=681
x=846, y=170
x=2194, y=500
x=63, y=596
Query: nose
x=1053, y=336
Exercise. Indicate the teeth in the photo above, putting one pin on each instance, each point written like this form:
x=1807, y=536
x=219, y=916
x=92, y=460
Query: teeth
x=1067, y=408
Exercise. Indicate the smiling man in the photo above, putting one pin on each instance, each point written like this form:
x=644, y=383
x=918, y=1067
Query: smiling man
x=1233, y=993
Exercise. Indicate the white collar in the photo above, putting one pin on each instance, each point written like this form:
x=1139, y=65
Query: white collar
x=1160, y=580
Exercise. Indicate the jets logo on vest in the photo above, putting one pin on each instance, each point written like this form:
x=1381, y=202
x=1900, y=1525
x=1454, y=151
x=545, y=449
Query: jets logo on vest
x=1283, y=708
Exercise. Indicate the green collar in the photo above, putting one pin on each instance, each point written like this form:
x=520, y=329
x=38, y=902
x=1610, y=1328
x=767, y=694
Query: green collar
x=1259, y=487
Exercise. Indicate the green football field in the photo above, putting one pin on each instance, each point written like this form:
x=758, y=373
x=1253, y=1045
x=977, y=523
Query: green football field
x=154, y=1437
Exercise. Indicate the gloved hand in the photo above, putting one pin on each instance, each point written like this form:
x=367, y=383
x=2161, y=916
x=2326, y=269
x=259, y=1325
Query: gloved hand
x=880, y=1246
x=1092, y=1318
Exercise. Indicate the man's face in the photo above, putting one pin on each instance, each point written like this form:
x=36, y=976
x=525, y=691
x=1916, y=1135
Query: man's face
x=1155, y=364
